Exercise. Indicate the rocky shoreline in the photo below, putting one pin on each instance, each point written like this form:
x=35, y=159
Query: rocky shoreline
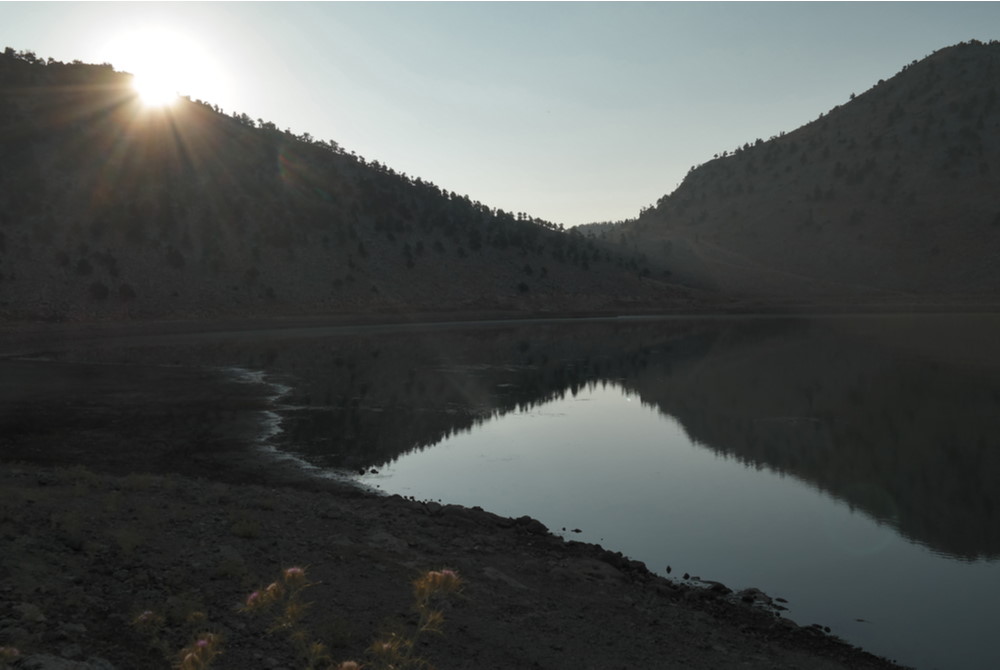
x=87, y=553
x=103, y=521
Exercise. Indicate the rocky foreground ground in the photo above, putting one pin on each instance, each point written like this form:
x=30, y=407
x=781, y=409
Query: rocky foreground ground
x=105, y=570
x=85, y=555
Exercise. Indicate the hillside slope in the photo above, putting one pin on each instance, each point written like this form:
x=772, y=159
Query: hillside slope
x=111, y=210
x=895, y=194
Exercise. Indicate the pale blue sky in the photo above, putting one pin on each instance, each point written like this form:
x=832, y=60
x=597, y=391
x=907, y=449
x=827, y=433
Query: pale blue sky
x=573, y=112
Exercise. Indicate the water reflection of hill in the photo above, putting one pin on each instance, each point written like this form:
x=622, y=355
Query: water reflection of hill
x=360, y=398
x=361, y=402
x=897, y=417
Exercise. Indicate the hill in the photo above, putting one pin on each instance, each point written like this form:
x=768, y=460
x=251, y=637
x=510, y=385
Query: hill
x=894, y=195
x=111, y=210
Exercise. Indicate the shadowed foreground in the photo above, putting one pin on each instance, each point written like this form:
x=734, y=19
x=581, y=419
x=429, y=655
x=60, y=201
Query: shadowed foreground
x=85, y=553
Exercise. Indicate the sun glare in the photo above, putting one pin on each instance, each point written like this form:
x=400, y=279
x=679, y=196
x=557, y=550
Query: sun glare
x=154, y=89
x=165, y=64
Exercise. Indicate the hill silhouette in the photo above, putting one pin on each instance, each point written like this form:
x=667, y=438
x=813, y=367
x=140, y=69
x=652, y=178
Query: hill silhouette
x=894, y=195
x=112, y=210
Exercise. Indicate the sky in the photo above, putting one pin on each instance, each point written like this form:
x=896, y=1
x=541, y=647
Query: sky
x=572, y=112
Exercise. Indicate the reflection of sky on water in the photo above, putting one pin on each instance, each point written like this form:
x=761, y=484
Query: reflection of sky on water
x=630, y=479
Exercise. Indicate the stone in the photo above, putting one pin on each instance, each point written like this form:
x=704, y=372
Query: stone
x=13, y=634
x=533, y=526
x=30, y=613
x=385, y=540
x=71, y=651
x=496, y=575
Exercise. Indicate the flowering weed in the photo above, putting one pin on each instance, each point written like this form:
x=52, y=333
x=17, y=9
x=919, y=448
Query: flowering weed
x=199, y=654
x=282, y=601
x=396, y=652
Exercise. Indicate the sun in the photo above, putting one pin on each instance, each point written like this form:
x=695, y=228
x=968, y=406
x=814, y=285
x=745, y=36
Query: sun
x=165, y=64
x=155, y=89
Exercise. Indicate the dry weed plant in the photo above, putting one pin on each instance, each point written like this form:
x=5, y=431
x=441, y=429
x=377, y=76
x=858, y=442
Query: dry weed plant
x=282, y=603
x=395, y=651
x=198, y=654
x=181, y=623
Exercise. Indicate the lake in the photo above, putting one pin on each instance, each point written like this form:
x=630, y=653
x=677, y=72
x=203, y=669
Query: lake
x=848, y=465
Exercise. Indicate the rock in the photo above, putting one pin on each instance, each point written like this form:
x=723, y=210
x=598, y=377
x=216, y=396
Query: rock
x=753, y=596
x=595, y=569
x=638, y=566
x=717, y=587
x=30, y=613
x=13, y=634
x=71, y=651
x=533, y=526
x=474, y=514
x=496, y=575
x=385, y=540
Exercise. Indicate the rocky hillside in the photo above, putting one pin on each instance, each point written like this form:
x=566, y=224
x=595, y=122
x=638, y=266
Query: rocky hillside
x=894, y=194
x=112, y=210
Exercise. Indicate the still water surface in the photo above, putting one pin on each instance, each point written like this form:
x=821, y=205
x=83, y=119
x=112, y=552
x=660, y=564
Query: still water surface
x=848, y=465
x=631, y=479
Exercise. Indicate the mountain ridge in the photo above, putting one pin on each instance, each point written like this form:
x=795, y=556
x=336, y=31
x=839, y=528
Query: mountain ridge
x=895, y=193
x=112, y=211
x=109, y=211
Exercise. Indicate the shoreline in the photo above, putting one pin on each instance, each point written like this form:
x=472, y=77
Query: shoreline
x=90, y=551
x=121, y=534
x=41, y=333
